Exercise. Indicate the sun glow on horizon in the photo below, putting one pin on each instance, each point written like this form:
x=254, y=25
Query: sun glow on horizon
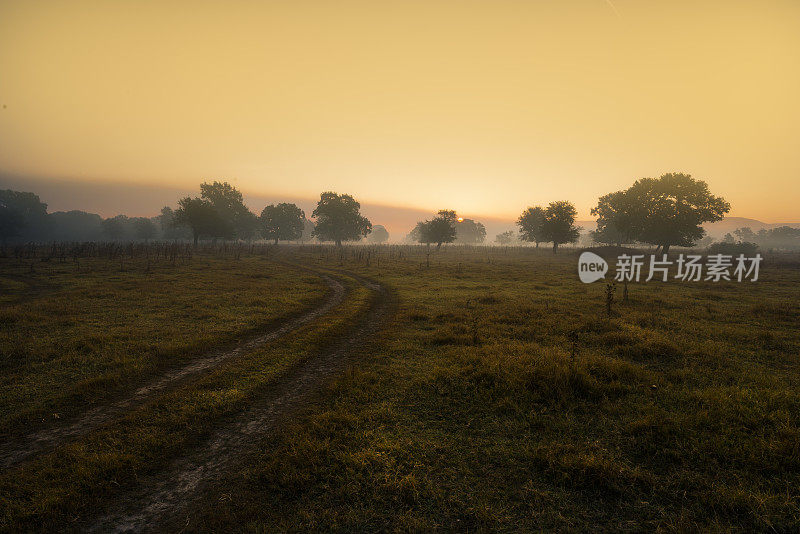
x=488, y=107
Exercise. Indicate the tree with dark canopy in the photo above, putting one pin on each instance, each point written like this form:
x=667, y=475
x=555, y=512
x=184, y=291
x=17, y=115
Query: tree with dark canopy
x=23, y=216
x=531, y=225
x=170, y=228
x=11, y=222
x=200, y=216
x=283, y=222
x=219, y=212
x=559, y=224
x=614, y=224
x=248, y=226
x=235, y=220
x=338, y=218
x=661, y=211
x=440, y=229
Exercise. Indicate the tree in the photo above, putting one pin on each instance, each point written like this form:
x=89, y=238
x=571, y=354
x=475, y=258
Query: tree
x=783, y=237
x=470, y=232
x=284, y=221
x=168, y=223
x=76, y=226
x=531, y=225
x=505, y=238
x=559, y=224
x=665, y=211
x=234, y=219
x=219, y=212
x=11, y=222
x=415, y=235
x=23, y=215
x=440, y=229
x=338, y=219
x=614, y=219
x=449, y=215
x=200, y=216
x=378, y=235
x=116, y=228
x=745, y=234
x=248, y=226
x=144, y=228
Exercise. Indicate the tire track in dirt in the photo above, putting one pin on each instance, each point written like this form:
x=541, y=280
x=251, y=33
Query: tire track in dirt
x=22, y=448
x=167, y=498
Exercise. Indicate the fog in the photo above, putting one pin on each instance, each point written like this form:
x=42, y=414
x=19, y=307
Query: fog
x=109, y=199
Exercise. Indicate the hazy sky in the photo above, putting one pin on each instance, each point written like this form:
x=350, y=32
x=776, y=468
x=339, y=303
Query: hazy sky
x=479, y=106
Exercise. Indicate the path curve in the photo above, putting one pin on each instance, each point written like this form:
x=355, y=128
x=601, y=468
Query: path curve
x=22, y=448
x=167, y=497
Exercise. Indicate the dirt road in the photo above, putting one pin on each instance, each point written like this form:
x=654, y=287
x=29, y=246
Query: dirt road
x=24, y=447
x=167, y=498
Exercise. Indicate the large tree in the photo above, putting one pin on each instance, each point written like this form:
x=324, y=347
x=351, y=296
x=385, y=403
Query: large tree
x=531, y=225
x=661, y=211
x=614, y=219
x=559, y=224
x=200, y=216
x=338, y=218
x=235, y=220
x=170, y=228
x=283, y=222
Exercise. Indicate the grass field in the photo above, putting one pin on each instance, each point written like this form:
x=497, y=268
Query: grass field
x=497, y=395
x=75, y=334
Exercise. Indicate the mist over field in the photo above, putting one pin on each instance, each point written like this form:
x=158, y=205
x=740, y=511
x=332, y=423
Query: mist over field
x=109, y=199
x=397, y=266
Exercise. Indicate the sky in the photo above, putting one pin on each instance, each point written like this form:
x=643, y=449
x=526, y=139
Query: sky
x=484, y=107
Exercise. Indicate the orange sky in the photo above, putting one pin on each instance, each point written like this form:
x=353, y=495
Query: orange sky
x=480, y=106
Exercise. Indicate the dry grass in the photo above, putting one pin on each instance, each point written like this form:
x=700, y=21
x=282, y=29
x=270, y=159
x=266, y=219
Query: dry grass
x=503, y=399
x=679, y=413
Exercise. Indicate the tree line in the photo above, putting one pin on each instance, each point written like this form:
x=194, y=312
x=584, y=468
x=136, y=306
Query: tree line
x=217, y=213
x=663, y=212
